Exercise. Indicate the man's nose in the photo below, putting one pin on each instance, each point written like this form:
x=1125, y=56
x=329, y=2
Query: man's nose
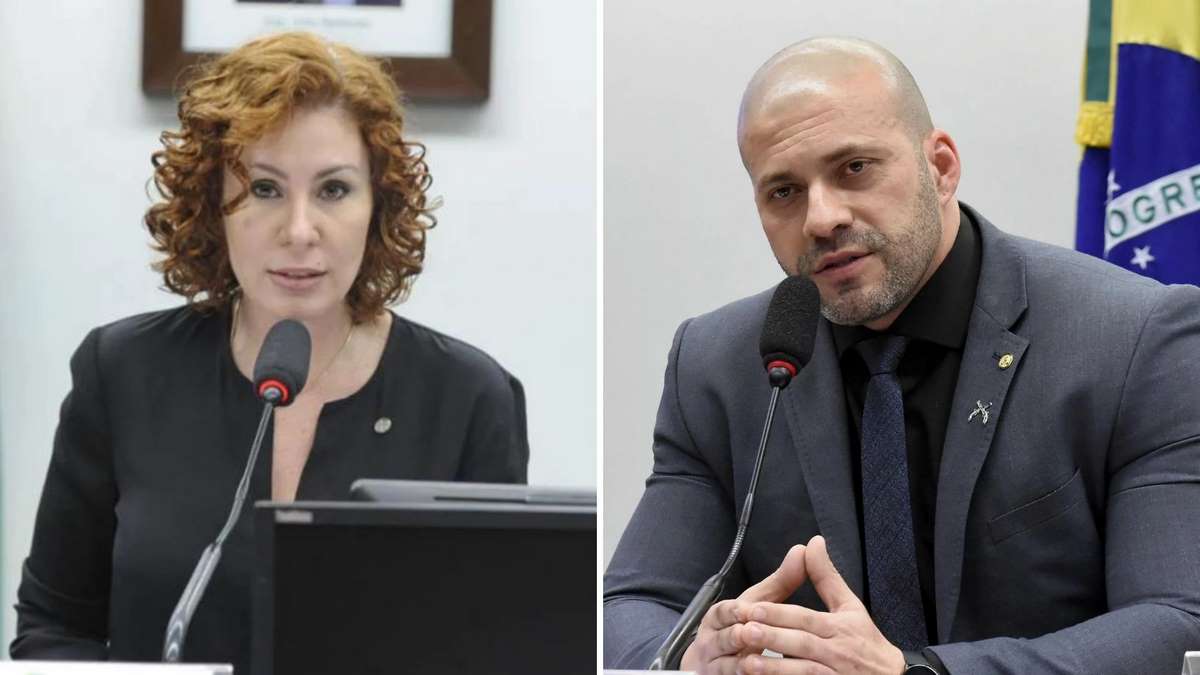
x=827, y=211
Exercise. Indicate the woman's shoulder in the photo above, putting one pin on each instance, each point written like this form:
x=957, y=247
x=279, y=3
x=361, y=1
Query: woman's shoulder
x=417, y=345
x=144, y=336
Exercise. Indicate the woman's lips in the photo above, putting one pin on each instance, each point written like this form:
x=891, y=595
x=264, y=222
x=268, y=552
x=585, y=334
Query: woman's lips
x=296, y=280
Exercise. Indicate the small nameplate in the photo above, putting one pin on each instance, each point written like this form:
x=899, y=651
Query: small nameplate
x=294, y=516
x=110, y=668
x=642, y=672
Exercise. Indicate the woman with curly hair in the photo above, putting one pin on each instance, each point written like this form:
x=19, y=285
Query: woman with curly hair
x=289, y=191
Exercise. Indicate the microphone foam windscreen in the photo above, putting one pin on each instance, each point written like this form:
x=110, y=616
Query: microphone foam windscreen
x=284, y=357
x=791, y=325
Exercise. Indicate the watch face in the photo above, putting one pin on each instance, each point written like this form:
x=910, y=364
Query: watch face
x=919, y=669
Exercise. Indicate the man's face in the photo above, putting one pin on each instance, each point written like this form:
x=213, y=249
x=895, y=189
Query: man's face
x=844, y=196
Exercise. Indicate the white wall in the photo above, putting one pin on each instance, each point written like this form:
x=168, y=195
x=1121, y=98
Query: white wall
x=681, y=235
x=511, y=266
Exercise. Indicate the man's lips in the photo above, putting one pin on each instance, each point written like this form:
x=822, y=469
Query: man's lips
x=834, y=261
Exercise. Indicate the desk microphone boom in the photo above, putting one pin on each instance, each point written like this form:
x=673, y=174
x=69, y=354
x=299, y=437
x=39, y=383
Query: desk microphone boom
x=786, y=345
x=279, y=374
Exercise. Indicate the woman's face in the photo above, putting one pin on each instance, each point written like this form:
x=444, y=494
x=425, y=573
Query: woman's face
x=297, y=242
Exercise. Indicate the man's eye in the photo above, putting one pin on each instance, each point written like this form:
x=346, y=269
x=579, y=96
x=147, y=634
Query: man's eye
x=782, y=192
x=857, y=166
x=264, y=189
x=334, y=190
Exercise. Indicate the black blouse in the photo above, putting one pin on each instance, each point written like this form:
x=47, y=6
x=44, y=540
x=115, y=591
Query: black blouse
x=151, y=443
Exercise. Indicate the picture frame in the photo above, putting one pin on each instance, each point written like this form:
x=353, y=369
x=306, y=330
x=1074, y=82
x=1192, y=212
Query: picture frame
x=464, y=75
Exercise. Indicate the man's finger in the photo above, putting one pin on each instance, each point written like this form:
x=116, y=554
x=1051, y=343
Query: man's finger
x=722, y=614
x=712, y=645
x=781, y=583
x=765, y=665
x=790, y=642
x=726, y=665
x=790, y=616
x=825, y=578
x=727, y=641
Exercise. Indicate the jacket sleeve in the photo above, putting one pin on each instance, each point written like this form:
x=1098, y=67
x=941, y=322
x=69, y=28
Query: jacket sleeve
x=679, y=535
x=63, y=598
x=1152, y=544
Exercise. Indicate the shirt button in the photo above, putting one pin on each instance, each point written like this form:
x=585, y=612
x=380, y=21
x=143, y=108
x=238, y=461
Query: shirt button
x=383, y=425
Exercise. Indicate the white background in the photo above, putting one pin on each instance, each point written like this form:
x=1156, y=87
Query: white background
x=511, y=266
x=681, y=235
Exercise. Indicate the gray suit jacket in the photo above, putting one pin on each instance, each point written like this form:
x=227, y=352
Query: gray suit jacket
x=1067, y=528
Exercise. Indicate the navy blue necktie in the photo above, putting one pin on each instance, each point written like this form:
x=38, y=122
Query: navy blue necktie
x=892, y=580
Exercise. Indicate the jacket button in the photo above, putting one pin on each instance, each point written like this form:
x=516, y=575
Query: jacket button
x=383, y=425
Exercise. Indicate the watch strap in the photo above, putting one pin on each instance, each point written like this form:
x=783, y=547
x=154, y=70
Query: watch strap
x=915, y=663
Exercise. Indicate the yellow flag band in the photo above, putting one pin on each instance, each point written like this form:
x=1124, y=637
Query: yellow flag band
x=1169, y=24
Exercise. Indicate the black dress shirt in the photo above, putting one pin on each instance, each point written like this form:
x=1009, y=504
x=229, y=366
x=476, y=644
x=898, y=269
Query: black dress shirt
x=936, y=322
x=152, y=440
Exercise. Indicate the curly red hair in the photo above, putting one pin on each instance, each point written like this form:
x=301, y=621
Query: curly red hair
x=236, y=99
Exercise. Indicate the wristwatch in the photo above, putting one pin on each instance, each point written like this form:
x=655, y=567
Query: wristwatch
x=915, y=663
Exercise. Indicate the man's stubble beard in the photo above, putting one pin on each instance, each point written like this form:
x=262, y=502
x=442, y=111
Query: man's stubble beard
x=905, y=259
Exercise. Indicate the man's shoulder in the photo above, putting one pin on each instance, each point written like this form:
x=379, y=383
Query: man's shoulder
x=1065, y=266
x=732, y=322
x=1071, y=300
x=723, y=340
x=1056, y=275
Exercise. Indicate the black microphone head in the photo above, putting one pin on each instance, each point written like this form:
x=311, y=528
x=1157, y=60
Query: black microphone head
x=282, y=365
x=790, y=329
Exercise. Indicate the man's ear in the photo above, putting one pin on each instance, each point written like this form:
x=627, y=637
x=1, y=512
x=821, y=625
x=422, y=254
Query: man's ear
x=941, y=154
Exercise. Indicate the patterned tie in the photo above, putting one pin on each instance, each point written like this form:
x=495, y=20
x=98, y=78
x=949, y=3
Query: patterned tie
x=895, y=588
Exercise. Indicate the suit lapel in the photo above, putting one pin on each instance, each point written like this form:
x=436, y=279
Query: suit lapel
x=977, y=407
x=816, y=414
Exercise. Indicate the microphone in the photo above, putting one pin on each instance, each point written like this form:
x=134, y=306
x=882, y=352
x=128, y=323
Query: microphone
x=789, y=330
x=786, y=345
x=279, y=374
x=282, y=364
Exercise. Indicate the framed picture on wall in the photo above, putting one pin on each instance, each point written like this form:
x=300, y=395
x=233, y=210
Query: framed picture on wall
x=437, y=49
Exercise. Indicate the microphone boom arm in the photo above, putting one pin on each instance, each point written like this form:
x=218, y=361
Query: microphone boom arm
x=177, y=627
x=677, y=640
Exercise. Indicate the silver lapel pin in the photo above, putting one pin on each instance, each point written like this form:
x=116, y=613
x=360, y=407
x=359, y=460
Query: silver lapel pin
x=980, y=409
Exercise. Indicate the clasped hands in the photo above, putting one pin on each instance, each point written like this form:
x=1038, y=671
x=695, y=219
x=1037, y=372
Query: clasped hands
x=843, y=640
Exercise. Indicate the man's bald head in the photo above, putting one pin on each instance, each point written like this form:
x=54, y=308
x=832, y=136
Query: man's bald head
x=815, y=64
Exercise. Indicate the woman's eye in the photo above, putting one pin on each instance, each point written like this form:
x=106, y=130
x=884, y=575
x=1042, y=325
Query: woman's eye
x=264, y=189
x=334, y=190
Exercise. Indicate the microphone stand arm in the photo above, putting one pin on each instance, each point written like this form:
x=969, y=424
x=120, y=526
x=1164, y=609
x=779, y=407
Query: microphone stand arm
x=177, y=627
x=678, y=639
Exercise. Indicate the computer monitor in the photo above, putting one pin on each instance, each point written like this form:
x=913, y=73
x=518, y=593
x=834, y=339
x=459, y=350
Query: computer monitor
x=425, y=585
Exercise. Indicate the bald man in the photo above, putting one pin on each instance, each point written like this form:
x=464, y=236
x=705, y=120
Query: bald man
x=991, y=463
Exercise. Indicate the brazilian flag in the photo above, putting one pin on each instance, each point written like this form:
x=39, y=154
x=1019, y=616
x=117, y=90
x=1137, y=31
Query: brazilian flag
x=1139, y=180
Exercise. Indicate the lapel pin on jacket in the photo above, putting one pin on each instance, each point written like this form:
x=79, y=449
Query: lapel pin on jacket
x=980, y=409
